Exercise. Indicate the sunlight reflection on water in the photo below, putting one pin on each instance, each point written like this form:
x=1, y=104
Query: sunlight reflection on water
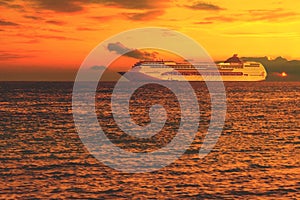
x=256, y=156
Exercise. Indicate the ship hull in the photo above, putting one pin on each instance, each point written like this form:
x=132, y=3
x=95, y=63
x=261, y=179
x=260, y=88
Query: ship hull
x=143, y=76
x=137, y=76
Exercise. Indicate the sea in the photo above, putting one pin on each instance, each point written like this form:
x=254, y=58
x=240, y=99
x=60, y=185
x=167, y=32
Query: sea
x=256, y=156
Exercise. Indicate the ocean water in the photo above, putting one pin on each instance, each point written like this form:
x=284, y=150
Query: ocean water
x=256, y=157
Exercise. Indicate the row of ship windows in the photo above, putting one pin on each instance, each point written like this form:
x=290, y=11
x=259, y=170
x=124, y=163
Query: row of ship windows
x=205, y=73
x=253, y=65
x=232, y=67
x=196, y=67
x=193, y=67
x=175, y=67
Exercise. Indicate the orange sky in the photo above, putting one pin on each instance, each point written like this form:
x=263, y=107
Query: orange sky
x=40, y=38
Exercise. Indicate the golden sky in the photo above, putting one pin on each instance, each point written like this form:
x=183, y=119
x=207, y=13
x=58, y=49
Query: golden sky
x=43, y=36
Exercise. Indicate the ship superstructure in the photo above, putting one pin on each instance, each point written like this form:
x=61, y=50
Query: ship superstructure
x=233, y=69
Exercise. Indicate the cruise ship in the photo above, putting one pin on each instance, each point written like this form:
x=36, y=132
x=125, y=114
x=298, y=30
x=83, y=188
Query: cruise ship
x=233, y=69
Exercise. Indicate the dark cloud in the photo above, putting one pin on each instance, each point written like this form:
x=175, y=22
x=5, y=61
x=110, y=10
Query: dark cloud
x=52, y=30
x=105, y=18
x=204, y=6
x=60, y=5
x=15, y=6
x=9, y=5
x=142, y=55
x=96, y=67
x=140, y=4
x=3, y=3
x=59, y=23
x=32, y=17
x=86, y=29
x=149, y=15
x=7, y=23
x=78, y=5
x=120, y=49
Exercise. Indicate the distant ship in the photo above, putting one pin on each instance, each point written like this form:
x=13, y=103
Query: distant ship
x=233, y=69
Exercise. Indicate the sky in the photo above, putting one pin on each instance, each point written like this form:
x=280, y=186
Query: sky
x=49, y=39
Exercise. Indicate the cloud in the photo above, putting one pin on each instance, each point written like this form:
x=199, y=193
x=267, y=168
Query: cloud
x=134, y=16
x=204, y=6
x=168, y=33
x=15, y=6
x=78, y=5
x=33, y=41
x=204, y=22
x=262, y=34
x=143, y=55
x=149, y=15
x=130, y=4
x=105, y=18
x=60, y=5
x=96, y=67
x=59, y=23
x=86, y=29
x=11, y=56
x=7, y=23
x=3, y=3
x=252, y=15
x=52, y=30
x=56, y=37
x=9, y=5
x=120, y=49
x=32, y=17
x=271, y=15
